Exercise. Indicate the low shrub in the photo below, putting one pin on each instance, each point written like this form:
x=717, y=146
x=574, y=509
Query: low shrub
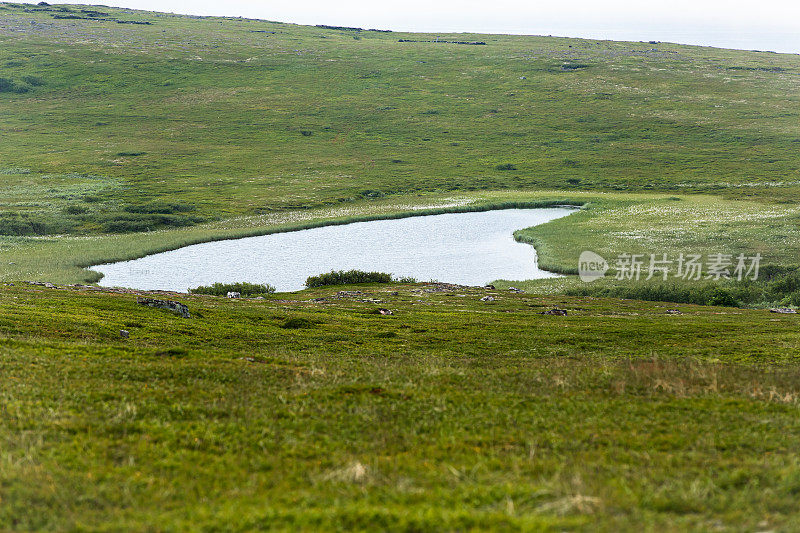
x=160, y=208
x=75, y=209
x=776, y=286
x=8, y=86
x=297, y=323
x=506, y=166
x=33, y=81
x=136, y=222
x=349, y=277
x=25, y=224
x=243, y=288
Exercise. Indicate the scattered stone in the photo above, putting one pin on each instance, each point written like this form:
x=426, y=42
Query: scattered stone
x=489, y=287
x=175, y=307
x=673, y=312
x=384, y=312
x=348, y=294
x=124, y=333
x=783, y=311
x=514, y=289
x=555, y=312
x=41, y=284
x=487, y=299
x=394, y=293
x=234, y=295
x=442, y=287
x=318, y=300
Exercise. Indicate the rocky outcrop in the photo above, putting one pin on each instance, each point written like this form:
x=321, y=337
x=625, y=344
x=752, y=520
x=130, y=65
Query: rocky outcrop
x=175, y=307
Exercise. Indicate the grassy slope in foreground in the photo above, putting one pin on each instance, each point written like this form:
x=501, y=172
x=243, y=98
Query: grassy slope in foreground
x=451, y=414
x=124, y=127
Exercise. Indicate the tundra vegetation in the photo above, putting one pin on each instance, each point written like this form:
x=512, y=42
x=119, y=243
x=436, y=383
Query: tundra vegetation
x=311, y=411
x=129, y=132
x=243, y=288
x=347, y=277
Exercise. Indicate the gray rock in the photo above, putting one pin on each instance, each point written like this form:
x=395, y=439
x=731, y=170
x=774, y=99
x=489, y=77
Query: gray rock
x=234, y=295
x=124, y=333
x=175, y=307
x=783, y=311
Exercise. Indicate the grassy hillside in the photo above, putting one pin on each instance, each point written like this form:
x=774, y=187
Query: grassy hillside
x=452, y=413
x=118, y=121
x=123, y=133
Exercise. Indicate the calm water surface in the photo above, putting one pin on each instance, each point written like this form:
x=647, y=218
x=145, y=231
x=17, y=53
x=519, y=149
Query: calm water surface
x=465, y=248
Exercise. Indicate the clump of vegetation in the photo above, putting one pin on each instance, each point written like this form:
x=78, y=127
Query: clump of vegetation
x=574, y=66
x=75, y=209
x=135, y=222
x=297, y=323
x=706, y=294
x=349, y=277
x=161, y=208
x=130, y=154
x=776, y=286
x=33, y=81
x=9, y=86
x=24, y=224
x=506, y=166
x=243, y=288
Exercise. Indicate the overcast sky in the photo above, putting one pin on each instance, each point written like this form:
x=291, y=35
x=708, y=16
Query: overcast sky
x=762, y=25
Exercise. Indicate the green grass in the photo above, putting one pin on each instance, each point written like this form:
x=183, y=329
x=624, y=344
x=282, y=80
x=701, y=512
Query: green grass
x=222, y=121
x=450, y=414
x=310, y=411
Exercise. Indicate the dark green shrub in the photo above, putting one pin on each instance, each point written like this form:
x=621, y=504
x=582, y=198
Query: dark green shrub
x=33, y=81
x=297, y=323
x=574, y=66
x=75, y=209
x=8, y=86
x=135, y=223
x=161, y=208
x=506, y=166
x=349, y=277
x=306, y=133
x=25, y=224
x=243, y=288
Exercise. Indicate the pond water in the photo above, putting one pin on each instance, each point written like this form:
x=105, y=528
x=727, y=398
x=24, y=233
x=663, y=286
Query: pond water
x=464, y=248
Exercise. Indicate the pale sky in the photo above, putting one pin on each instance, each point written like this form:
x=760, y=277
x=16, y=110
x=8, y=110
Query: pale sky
x=764, y=25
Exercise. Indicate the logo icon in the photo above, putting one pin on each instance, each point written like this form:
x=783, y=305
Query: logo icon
x=591, y=266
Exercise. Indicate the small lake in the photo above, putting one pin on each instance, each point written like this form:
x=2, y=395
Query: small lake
x=463, y=248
